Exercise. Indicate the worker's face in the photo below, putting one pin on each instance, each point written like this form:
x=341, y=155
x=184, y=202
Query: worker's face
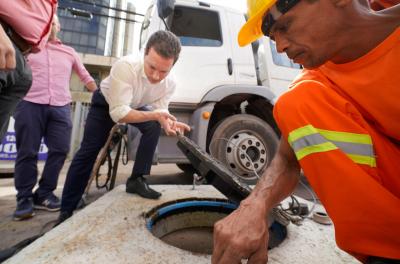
x=156, y=67
x=308, y=33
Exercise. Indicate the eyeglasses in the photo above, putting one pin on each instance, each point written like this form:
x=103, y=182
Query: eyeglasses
x=282, y=6
x=267, y=23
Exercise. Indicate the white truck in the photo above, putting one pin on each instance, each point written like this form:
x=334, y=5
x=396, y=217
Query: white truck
x=224, y=92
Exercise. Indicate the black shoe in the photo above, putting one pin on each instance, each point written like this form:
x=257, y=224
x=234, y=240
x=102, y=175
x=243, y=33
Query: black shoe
x=64, y=215
x=139, y=186
x=24, y=209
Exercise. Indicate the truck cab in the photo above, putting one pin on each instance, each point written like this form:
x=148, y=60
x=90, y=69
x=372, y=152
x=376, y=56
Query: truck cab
x=224, y=92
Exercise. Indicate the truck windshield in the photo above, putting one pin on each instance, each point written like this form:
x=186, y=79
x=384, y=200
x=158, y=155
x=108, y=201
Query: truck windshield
x=197, y=27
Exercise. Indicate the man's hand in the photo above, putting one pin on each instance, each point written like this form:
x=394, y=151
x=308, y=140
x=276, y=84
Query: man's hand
x=242, y=235
x=170, y=125
x=180, y=127
x=7, y=52
x=166, y=121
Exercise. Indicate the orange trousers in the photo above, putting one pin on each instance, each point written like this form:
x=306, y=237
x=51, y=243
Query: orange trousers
x=362, y=201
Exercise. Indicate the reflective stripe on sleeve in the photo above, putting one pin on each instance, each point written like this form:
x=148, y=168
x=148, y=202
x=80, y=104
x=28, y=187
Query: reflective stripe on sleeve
x=308, y=140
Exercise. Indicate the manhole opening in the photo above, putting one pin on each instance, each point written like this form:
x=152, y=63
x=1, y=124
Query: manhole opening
x=188, y=224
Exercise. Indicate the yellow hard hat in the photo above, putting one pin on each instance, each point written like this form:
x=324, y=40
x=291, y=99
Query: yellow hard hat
x=251, y=31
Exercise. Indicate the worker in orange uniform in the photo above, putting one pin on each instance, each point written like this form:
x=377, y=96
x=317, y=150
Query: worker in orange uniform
x=340, y=123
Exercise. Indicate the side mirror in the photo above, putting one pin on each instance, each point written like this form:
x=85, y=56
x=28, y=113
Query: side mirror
x=165, y=8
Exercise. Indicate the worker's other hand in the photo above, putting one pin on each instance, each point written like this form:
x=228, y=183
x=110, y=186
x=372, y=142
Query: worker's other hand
x=7, y=52
x=242, y=235
x=167, y=121
x=180, y=127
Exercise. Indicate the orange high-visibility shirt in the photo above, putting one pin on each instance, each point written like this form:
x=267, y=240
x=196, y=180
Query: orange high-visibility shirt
x=372, y=83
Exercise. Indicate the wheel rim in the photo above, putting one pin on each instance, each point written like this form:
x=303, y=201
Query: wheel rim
x=245, y=145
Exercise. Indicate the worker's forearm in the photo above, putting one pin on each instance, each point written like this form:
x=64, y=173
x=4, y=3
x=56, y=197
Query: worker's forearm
x=136, y=116
x=278, y=181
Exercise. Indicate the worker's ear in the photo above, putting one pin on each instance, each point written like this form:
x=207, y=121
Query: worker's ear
x=341, y=3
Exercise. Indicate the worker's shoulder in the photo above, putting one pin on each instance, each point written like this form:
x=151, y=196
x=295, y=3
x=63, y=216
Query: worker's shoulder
x=309, y=77
x=309, y=84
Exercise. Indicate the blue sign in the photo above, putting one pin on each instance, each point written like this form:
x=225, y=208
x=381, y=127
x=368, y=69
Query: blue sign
x=8, y=146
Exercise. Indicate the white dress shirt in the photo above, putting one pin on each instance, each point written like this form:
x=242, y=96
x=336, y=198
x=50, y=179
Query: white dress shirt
x=127, y=88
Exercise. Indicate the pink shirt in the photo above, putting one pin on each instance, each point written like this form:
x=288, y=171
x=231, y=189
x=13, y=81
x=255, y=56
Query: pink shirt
x=51, y=72
x=31, y=19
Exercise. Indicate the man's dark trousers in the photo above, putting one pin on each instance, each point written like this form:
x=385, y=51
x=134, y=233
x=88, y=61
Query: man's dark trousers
x=32, y=122
x=97, y=128
x=14, y=85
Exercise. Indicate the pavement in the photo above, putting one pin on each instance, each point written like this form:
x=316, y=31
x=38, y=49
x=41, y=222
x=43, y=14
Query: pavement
x=12, y=232
x=113, y=229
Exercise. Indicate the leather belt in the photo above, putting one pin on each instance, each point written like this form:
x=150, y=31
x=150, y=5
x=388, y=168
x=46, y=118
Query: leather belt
x=24, y=46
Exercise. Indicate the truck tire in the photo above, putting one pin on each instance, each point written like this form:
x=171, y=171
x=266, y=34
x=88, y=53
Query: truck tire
x=240, y=138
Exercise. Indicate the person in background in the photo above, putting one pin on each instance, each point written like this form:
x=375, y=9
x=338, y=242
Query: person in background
x=137, y=92
x=24, y=26
x=45, y=112
x=339, y=123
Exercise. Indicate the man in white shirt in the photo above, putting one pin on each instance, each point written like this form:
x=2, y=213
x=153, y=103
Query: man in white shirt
x=136, y=92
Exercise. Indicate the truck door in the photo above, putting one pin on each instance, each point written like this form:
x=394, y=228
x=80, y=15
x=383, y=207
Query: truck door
x=206, y=60
x=243, y=59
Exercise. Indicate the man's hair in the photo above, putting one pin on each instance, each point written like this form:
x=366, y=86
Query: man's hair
x=165, y=43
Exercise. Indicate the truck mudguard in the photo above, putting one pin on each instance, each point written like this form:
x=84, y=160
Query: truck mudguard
x=220, y=92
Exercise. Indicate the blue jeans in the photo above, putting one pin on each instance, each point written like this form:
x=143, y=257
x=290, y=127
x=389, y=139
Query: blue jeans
x=32, y=122
x=14, y=85
x=97, y=129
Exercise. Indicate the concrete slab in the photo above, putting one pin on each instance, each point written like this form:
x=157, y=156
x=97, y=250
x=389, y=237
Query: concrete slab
x=112, y=230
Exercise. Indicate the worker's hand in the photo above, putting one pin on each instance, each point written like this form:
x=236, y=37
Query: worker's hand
x=180, y=127
x=242, y=235
x=167, y=121
x=7, y=52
